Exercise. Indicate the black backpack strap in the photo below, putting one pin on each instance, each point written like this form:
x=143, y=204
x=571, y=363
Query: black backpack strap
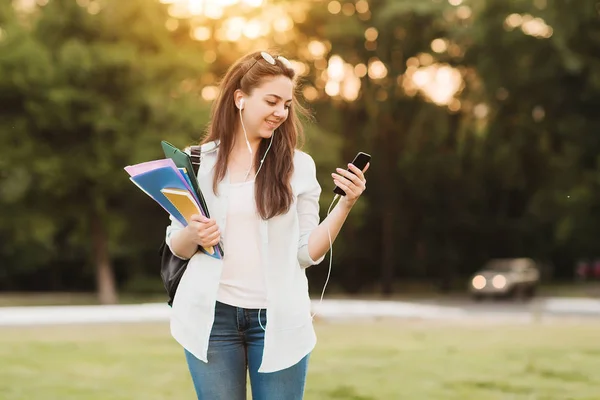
x=195, y=156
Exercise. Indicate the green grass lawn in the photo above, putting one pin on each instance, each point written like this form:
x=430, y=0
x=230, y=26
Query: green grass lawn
x=366, y=360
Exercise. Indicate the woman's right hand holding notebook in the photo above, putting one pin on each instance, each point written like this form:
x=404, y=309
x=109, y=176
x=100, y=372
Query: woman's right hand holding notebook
x=203, y=231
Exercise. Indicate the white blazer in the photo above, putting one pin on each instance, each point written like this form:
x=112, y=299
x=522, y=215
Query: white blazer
x=289, y=334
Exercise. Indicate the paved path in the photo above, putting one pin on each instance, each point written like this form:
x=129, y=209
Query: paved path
x=327, y=309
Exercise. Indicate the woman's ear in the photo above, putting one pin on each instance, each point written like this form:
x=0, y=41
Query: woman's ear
x=238, y=98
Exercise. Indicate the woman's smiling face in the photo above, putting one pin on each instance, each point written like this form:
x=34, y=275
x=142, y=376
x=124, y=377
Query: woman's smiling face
x=267, y=107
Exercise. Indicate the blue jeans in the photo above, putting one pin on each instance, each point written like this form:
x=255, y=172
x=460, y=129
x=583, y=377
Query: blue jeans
x=235, y=347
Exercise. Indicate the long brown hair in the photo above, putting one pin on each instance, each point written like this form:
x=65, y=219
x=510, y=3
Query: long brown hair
x=272, y=189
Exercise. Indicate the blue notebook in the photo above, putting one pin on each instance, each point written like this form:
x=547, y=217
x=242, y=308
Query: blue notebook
x=151, y=182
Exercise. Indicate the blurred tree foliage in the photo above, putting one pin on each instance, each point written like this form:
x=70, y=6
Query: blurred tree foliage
x=82, y=95
x=508, y=168
x=542, y=144
x=512, y=173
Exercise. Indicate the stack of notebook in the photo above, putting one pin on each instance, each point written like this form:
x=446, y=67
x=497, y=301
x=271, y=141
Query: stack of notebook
x=171, y=182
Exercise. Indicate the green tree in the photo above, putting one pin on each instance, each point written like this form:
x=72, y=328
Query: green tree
x=87, y=90
x=395, y=126
x=538, y=65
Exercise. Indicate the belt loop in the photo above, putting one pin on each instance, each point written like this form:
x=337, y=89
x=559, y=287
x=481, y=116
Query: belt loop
x=247, y=317
x=239, y=314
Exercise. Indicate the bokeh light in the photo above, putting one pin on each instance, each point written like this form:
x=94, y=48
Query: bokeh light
x=377, y=69
x=371, y=34
x=530, y=25
x=437, y=82
x=334, y=7
x=439, y=45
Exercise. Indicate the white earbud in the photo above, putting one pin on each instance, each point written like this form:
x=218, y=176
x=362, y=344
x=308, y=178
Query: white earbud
x=242, y=104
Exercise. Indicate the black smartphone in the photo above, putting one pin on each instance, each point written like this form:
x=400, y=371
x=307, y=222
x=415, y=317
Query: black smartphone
x=360, y=161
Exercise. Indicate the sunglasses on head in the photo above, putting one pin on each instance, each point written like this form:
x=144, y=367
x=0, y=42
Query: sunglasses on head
x=271, y=60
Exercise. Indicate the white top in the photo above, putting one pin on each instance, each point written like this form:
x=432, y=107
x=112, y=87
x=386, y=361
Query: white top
x=284, y=254
x=243, y=279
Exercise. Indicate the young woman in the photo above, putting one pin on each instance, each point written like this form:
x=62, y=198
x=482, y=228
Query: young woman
x=250, y=311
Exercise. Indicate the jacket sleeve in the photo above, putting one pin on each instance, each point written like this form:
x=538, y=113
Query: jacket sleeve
x=172, y=229
x=308, y=210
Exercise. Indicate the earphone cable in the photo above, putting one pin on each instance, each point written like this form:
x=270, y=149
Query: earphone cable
x=250, y=149
x=336, y=197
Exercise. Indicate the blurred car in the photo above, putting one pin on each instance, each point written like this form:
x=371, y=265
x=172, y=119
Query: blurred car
x=511, y=278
